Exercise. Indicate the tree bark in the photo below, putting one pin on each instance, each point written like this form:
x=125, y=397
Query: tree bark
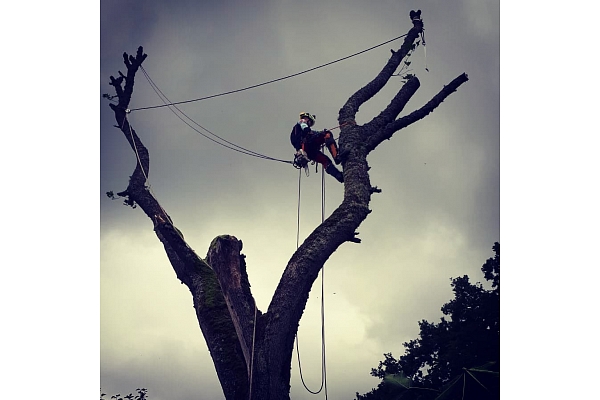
x=209, y=302
x=252, y=351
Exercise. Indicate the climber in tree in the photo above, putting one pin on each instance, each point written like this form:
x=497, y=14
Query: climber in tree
x=308, y=142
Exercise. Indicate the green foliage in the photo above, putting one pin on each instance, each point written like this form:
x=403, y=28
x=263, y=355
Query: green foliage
x=445, y=354
x=142, y=394
x=491, y=268
x=399, y=379
x=393, y=389
x=470, y=337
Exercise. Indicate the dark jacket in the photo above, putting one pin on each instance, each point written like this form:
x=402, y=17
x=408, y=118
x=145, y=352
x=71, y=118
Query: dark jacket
x=299, y=134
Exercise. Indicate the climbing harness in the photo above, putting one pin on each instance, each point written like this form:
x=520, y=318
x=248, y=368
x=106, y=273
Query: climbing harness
x=301, y=159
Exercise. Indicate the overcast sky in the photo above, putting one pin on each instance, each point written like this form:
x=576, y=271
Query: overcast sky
x=436, y=218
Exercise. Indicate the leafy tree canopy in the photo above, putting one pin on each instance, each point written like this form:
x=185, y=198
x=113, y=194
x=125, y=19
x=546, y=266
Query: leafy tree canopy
x=142, y=394
x=467, y=336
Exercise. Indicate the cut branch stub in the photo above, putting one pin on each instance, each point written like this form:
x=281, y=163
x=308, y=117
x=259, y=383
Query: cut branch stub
x=225, y=259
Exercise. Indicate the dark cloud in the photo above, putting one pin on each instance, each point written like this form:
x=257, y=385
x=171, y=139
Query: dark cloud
x=437, y=217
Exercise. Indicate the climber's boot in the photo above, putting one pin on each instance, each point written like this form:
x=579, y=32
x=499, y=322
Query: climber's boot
x=333, y=171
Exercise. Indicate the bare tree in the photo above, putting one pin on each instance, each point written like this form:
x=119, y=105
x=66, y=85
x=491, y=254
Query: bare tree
x=252, y=350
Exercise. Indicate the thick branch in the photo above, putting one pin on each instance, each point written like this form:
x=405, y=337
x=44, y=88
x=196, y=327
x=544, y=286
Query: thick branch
x=124, y=94
x=137, y=182
x=374, y=140
x=395, y=107
x=349, y=110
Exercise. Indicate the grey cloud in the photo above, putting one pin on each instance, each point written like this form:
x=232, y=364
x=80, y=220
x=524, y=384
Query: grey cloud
x=436, y=218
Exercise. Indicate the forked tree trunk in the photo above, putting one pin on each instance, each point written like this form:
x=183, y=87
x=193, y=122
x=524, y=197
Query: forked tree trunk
x=242, y=340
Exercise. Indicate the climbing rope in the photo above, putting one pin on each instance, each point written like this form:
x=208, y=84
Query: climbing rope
x=271, y=81
x=252, y=358
x=323, y=288
x=323, y=358
x=298, y=223
x=221, y=141
x=424, y=48
x=177, y=113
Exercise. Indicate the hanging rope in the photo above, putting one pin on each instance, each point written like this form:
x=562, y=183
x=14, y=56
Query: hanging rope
x=271, y=81
x=323, y=287
x=252, y=359
x=424, y=48
x=298, y=223
x=323, y=373
x=323, y=363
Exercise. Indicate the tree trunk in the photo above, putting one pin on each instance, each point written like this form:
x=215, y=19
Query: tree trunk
x=251, y=350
